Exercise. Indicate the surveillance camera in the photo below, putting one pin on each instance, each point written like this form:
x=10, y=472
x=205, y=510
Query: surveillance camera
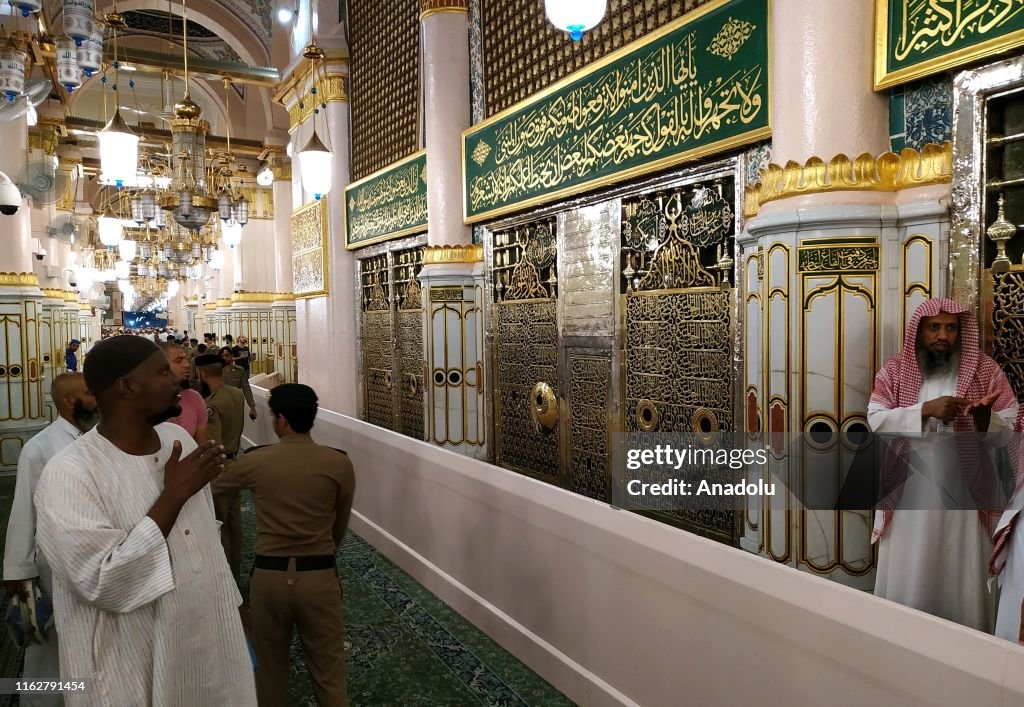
x=10, y=197
x=40, y=255
x=72, y=283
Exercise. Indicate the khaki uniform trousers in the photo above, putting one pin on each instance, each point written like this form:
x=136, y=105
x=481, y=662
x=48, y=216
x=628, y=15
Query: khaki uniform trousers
x=311, y=601
x=228, y=509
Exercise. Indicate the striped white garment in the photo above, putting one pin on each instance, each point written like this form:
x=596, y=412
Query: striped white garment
x=144, y=620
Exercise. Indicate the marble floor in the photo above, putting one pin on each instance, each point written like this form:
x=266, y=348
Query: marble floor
x=404, y=645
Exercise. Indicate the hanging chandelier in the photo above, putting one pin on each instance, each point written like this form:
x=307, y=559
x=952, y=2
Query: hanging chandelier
x=232, y=206
x=189, y=201
x=119, y=146
x=575, y=16
x=315, y=160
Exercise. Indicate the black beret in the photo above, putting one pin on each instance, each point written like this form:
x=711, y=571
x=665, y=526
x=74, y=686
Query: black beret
x=208, y=360
x=115, y=358
x=288, y=393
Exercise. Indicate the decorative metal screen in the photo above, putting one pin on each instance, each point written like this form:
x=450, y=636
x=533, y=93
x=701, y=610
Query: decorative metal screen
x=524, y=53
x=385, y=75
x=410, y=350
x=378, y=361
x=589, y=392
x=526, y=348
x=1004, y=206
x=676, y=265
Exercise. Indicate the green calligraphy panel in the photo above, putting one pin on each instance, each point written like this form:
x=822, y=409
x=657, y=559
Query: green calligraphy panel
x=921, y=37
x=388, y=204
x=698, y=86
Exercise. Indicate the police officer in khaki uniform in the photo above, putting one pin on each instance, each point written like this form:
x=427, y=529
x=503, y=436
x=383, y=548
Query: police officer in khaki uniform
x=235, y=376
x=224, y=411
x=303, y=496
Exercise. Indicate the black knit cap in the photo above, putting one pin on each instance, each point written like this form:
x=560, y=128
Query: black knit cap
x=290, y=393
x=115, y=358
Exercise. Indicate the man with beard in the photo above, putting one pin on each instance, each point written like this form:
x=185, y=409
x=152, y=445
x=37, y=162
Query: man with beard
x=943, y=403
x=145, y=604
x=224, y=423
x=23, y=563
x=193, y=409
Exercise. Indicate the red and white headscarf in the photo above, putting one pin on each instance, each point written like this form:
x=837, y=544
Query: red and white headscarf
x=898, y=384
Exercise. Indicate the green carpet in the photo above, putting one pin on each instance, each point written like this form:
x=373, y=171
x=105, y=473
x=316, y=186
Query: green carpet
x=404, y=645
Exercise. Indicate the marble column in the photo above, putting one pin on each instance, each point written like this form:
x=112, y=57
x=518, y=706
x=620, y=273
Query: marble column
x=327, y=362
x=452, y=274
x=821, y=312
x=23, y=409
x=282, y=309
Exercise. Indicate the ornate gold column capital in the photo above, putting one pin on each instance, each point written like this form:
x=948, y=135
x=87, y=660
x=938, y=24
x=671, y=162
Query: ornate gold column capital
x=44, y=136
x=886, y=173
x=281, y=165
x=436, y=7
x=445, y=254
x=19, y=279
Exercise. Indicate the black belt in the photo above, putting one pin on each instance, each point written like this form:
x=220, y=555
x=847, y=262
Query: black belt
x=302, y=564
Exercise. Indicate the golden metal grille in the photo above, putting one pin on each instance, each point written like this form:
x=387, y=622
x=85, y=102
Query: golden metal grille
x=385, y=49
x=524, y=53
x=378, y=378
x=525, y=346
x=677, y=249
x=410, y=350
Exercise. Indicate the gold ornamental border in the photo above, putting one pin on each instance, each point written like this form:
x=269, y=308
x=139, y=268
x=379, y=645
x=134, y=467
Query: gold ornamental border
x=223, y=302
x=887, y=172
x=448, y=254
x=58, y=294
x=885, y=79
x=429, y=8
x=85, y=307
x=15, y=279
x=696, y=153
x=260, y=297
x=324, y=247
x=412, y=230
x=329, y=89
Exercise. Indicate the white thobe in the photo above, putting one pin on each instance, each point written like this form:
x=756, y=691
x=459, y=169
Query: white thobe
x=932, y=559
x=146, y=620
x=1011, y=578
x=22, y=559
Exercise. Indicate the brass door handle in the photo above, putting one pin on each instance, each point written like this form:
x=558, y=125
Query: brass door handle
x=544, y=406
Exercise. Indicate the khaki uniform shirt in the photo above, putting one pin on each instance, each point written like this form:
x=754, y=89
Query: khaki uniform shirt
x=225, y=413
x=234, y=376
x=302, y=492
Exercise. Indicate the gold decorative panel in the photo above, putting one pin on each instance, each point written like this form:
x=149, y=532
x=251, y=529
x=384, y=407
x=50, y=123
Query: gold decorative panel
x=1007, y=302
x=378, y=360
x=385, y=82
x=526, y=346
x=524, y=53
x=310, y=249
x=410, y=349
x=589, y=377
x=676, y=281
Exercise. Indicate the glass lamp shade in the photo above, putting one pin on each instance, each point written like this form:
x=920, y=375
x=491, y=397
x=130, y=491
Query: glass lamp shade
x=127, y=248
x=224, y=205
x=231, y=232
x=575, y=16
x=217, y=260
x=173, y=287
x=315, y=167
x=119, y=151
x=122, y=269
x=110, y=229
x=241, y=211
x=126, y=287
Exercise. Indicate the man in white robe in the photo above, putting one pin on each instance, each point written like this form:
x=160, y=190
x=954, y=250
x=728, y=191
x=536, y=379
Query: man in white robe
x=945, y=405
x=146, y=606
x=23, y=563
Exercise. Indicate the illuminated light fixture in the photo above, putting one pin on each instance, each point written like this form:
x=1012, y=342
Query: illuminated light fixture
x=119, y=151
x=286, y=15
x=265, y=177
x=173, y=287
x=127, y=249
x=217, y=260
x=231, y=232
x=315, y=167
x=31, y=116
x=575, y=16
x=122, y=269
x=110, y=229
